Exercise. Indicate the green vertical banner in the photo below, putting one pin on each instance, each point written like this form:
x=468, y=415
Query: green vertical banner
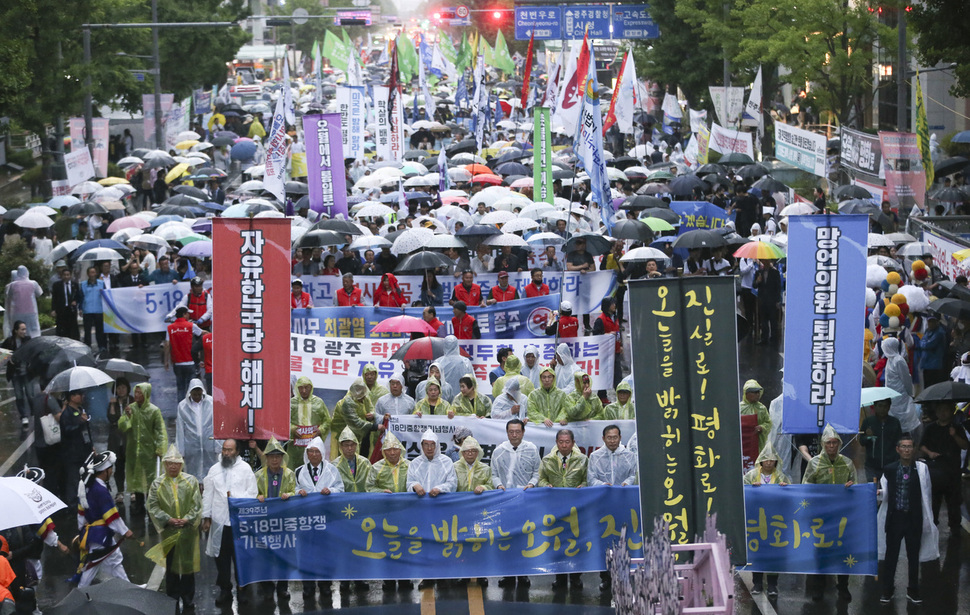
x=686, y=389
x=923, y=133
x=336, y=51
x=542, y=157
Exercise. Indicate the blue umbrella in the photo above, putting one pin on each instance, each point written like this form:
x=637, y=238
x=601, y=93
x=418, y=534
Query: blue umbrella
x=244, y=150
x=212, y=206
x=961, y=137
x=871, y=395
x=64, y=200
x=202, y=225
x=160, y=220
x=662, y=240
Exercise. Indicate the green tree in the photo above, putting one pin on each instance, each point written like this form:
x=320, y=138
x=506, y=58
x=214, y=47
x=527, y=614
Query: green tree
x=940, y=26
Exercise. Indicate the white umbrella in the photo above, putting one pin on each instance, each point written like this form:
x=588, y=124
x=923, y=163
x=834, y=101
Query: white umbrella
x=489, y=196
x=270, y=214
x=296, y=232
x=641, y=151
x=877, y=240
x=429, y=222
x=411, y=240
x=129, y=161
x=511, y=202
x=519, y=224
x=101, y=254
x=883, y=261
x=33, y=219
x=253, y=185
x=62, y=249
x=459, y=174
x=497, y=217
x=546, y=239
x=146, y=240
x=176, y=231
x=419, y=181
x=388, y=172
x=614, y=173
x=125, y=234
x=86, y=188
x=50, y=211
x=535, y=211
x=914, y=249
x=25, y=503
x=506, y=239
x=798, y=209
x=453, y=193
x=365, y=242
x=188, y=135
x=440, y=242
x=256, y=171
x=901, y=237
x=78, y=378
x=373, y=210
x=466, y=158
x=642, y=255
x=198, y=147
x=368, y=181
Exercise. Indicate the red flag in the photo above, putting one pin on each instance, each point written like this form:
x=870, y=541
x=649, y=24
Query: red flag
x=582, y=65
x=610, y=118
x=394, y=74
x=527, y=73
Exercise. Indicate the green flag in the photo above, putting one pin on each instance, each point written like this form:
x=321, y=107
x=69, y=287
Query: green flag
x=542, y=157
x=407, y=58
x=487, y=52
x=315, y=50
x=447, y=48
x=336, y=51
x=464, y=54
x=923, y=134
x=503, y=61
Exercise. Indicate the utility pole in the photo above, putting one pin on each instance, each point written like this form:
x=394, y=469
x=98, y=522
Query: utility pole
x=159, y=138
x=88, y=112
x=901, y=91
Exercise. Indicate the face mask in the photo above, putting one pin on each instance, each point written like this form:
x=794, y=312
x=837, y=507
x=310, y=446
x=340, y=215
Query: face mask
x=961, y=326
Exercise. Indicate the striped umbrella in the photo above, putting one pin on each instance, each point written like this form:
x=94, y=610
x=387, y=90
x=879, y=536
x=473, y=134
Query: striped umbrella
x=760, y=250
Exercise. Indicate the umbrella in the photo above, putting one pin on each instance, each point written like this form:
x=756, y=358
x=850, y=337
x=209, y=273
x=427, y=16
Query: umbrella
x=952, y=307
x=148, y=241
x=633, y=229
x=374, y=210
x=49, y=355
x=851, y=191
x=858, y=206
x=78, y=378
x=535, y=211
x=956, y=290
x=878, y=240
x=595, y=244
x=441, y=242
x=404, y=324
x=945, y=391
x=948, y=195
x=422, y=261
x=642, y=255
x=341, y=226
x=901, y=237
x=759, y=250
x=506, y=239
x=33, y=219
x=479, y=230
x=509, y=168
x=243, y=150
x=546, y=239
x=428, y=348
x=411, y=240
x=798, y=209
x=735, y=159
x=86, y=188
x=883, y=261
x=914, y=249
x=179, y=210
x=686, y=184
x=871, y=395
x=370, y=242
x=292, y=187
x=120, y=368
x=699, y=238
x=320, y=238
x=950, y=166
x=709, y=168
x=497, y=217
x=114, y=597
x=519, y=224
x=197, y=249
x=469, y=146
x=85, y=208
x=129, y=161
x=753, y=171
x=661, y=213
x=191, y=191
x=25, y=502
x=643, y=201
x=657, y=225
x=136, y=222
x=100, y=254
x=63, y=250
x=770, y=185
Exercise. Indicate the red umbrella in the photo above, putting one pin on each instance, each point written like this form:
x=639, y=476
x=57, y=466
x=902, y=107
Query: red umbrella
x=428, y=348
x=404, y=324
x=494, y=180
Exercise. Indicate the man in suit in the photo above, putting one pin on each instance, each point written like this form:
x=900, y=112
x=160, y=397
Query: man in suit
x=65, y=296
x=134, y=276
x=216, y=193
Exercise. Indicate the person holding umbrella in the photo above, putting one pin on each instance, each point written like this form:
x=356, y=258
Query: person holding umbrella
x=175, y=508
x=147, y=440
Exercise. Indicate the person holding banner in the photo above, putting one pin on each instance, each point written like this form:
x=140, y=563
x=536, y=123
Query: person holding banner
x=353, y=468
x=467, y=292
x=511, y=403
x=356, y=412
x=309, y=418
x=434, y=371
x=394, y=403
x=751, y=405
x=433, y=403
x=431, y=472
x=547, y=403
x=564, y=467
x=390, y=474
x=622, y=409
x=299, y=298
x=469, y=402
x=388, y=293
x=537, y=288
x=472, y=473
x=317, y=475
x=503, y=291
x=765, y=472
x=275, y=480
x=464, y=324
x=348, y=294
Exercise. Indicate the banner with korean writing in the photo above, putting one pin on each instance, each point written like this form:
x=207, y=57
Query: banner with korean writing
x=325, y=164
x=812, y=529
x=584, y=290
x=800, y=148
x=522, y=318
x=79, y=165
x=373, y=536
x=726, y=141
x=333, y=363
x=201, y=101
x=943, y=250
x=860, y=152
x=542, y=152
x=700, y=215
x=827, y=254
x=350, y=103
x=905, y=176
x=588, y=435
x=685, y=370
x=251, y=385
x=140, y=309
x=100, y=136
x=382, y=122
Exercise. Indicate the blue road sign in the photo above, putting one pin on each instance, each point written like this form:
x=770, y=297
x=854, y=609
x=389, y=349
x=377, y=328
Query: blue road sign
x=633, y=21
x=545, y=20
x=578, y=17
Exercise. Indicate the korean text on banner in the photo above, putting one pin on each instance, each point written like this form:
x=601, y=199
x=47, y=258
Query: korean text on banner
x=363, y=536
x=726, y=141
x=140, y=309
x=325, y=164
x=823, y=313
x=905, y=177
x=942, y=250
x=800, y=148
x=350, y=103
x=542, y=167
x=382, y=119
x=99, y=129
x=686, y=386
x=251, y=385
x=812, y=529
x=700, y=215
x=79, y=166
x=860, y=152
x=76, y=128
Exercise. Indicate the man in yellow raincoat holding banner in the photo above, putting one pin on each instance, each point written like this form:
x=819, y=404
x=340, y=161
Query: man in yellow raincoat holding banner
x=175, y=507
x=309, y=418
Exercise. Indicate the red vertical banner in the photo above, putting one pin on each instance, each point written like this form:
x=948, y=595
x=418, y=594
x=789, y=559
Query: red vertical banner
x=251, y=328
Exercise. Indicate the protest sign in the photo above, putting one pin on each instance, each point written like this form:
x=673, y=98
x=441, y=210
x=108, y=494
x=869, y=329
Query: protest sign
x=800, y=148
x=860, y=152
x=140, y=309
x=726, y=141
x=903, y=163
x=350, y=103
x=79, y=165
x=326, y=178
x=700, y=215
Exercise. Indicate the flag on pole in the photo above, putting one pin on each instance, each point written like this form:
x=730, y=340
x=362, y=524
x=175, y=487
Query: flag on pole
x=286, y=93
x=461, y=92
x=752, y=114
x=589, y=148
x=923, y=133
x=672, y=113
x=611, y=112
x=503, y=61
x=444, y=182
x=527, y=72
x=552, y=85
x=317, y=72
x=336, y=51
x=425, y=94
x=275, y=176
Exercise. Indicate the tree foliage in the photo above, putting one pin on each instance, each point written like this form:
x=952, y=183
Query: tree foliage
x=941, y=27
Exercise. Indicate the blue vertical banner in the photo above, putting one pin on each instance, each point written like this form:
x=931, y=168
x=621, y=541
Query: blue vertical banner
x=812, y=529
x=824, y=308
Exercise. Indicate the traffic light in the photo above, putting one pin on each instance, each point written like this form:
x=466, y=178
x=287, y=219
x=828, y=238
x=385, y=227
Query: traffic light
x=443, y=13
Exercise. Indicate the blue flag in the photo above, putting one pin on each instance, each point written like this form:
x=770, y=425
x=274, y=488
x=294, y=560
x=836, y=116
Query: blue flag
x=589, y=148
x=461, y=92
x=498, y=110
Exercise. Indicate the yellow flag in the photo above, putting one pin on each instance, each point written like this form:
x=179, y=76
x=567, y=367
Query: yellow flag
x=923, y=134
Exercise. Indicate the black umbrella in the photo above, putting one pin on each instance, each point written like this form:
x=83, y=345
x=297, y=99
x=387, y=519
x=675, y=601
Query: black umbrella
x=182, y=199
x=733, y=239
x=427, y=348
x=345, y=227
x=222, y=141
x=86, y=208
x=851, y=191
x=422, y=261
x=415, y=154
x=624, y=162
x=643, y=201
x=661, y=213
x=770, y=185
x=752, y=171
x=700, y=238
x=512, y=168
x=713, y=179
x=191, y=191
x=469, y=146
x=595, y=244
x=709, y=168
x=12, y=214
x=477, y=233
x=685, y=184
x=321, y=238
x=122, y=596
x=49, y=355
x=945, y=391
x=292, y=187
x=950, y=166
x=82, y=605
x=858, y=206
x=632, y=229
x=736, y=159
x=180, y=210
x=952, y=307
x=948, y=195
x=956, y=290
x=562, y=174
x=302, y=203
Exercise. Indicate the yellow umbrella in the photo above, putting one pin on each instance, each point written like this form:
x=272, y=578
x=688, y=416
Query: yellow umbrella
x=186, y=144
x=217, y=117
x=111, y=181
x=178, y=171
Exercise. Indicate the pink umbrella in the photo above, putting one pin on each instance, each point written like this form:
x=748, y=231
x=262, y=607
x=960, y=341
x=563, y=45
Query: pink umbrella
x=525, y=182
x=404, y=324
x=128, y=222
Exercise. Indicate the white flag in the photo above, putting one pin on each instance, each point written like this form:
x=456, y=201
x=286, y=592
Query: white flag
x=552, y=86
x=440, y=63
x=287, y=95
x=276, y=147
x=671, y=108
x=627, y=102
x=752, y=115
x=425, y=92
x=570, y=97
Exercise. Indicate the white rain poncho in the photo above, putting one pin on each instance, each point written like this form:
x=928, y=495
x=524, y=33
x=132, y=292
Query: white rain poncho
x=511, y=396
x=564, y=372
x=899, y=379
x=633, y=444
x=437, y=472
x=193, y=432
x=394, y=406
x=782, y=442
x=515, y=468
x=453, y=366
x=607, y=467
x=21, y=303
x=239, y=480
x=929, y=548
x=532, y=373
x=447, y=393
x=327, y=475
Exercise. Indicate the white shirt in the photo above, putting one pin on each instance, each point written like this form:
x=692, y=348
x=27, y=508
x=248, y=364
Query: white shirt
x=515, y=468
x=239, y=480
x=617, y=467
x=432, y=473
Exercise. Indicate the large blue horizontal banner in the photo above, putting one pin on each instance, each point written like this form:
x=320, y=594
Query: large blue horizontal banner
x=522, y=318
x=374, y=536
x=585, y=290
x=812, y=529
x=140, y=309
x=696, y=215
